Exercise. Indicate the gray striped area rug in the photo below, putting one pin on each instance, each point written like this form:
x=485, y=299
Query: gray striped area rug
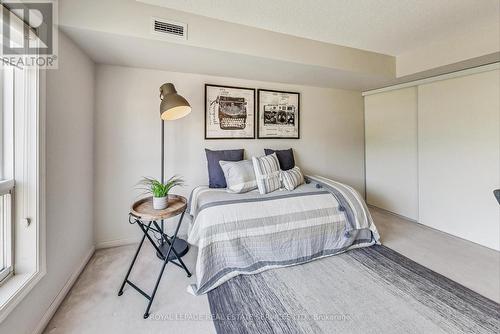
x=368, y=290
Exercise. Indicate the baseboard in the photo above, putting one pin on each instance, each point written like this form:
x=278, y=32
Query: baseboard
x=392, y=213
x=116, y=243
x=64, y=291
x=448, y=234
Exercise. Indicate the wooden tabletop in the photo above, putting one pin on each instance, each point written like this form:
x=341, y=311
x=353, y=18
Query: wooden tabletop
x=143, y=208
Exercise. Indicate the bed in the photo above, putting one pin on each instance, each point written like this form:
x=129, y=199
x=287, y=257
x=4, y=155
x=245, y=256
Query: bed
x=249, y=233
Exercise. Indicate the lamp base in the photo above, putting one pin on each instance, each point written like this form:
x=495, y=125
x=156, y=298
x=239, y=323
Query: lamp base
x=180, y=245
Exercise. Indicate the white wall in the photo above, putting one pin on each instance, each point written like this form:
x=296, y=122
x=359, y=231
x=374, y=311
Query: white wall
x=128, y=138
x=391, y=151
x=459, y=156
x=69, y=161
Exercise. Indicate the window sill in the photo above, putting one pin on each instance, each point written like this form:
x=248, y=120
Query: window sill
x=15, y=289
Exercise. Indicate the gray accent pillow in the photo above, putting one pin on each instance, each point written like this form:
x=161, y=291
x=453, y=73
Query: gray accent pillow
x=285, y=157
x=240, y=176
x=215, y=175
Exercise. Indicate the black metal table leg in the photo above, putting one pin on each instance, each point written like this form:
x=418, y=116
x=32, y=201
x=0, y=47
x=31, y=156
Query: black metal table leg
x=171, y=242
x=146, y=314
x=166, y=257
x=181, y=247
x=146, y=234
x=165, y=261
x=120, y=292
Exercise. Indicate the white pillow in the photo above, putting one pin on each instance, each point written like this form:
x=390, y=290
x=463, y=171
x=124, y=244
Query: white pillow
x=240, y=176
x=267, y=173
x=292, y=178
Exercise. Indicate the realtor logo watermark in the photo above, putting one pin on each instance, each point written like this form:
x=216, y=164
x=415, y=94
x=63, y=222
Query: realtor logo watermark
x=29, y=33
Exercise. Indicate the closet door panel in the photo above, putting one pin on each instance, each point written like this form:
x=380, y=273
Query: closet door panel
x=391, y=151
x=459, y=156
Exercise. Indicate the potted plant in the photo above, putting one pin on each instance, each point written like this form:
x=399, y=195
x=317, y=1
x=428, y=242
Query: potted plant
x=160, y=191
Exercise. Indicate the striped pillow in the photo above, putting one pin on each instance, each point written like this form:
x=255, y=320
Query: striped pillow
x=267, y=173
x=240, y=177
x=292, y=178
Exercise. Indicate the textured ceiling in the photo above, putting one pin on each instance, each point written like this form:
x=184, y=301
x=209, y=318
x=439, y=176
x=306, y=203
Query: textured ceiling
x=392, y=27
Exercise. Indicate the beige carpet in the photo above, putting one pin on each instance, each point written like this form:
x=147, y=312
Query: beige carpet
x=93, y=305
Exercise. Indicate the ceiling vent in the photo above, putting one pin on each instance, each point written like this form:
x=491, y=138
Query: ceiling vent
x=169, y=29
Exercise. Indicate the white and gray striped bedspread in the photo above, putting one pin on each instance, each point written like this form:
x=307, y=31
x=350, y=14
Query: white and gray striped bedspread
x=250, y=233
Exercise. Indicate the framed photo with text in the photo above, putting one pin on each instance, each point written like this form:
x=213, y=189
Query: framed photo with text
x=278, y=114
x=229, y=112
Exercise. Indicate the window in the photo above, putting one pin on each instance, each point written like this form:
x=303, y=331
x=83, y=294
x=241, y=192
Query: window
x=6, y=170
x=22, y=224
x=22, y=237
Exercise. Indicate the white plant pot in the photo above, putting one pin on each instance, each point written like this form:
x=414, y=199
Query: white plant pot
x=160, y=203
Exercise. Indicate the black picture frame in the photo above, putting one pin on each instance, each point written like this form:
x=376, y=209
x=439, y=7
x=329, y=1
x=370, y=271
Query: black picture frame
x=207, y=86
x=259, y=135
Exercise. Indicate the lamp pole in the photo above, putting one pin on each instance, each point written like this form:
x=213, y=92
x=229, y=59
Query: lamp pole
x=172, y=106
x=181, y=247
x=162, y=177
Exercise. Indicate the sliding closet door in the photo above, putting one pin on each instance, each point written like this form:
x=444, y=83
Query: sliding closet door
x=459, y=156
x=391, y=151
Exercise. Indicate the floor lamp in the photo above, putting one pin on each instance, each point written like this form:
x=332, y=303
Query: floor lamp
x=173, y=106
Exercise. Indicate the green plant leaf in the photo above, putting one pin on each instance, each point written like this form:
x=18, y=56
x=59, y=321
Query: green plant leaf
x=156, y=188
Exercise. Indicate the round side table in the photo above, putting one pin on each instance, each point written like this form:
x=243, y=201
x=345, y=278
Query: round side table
x=170, y=248
x=176, y=205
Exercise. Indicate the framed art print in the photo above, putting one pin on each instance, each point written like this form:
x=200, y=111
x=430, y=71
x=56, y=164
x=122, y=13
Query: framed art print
x=229, y=112
x=278, y=114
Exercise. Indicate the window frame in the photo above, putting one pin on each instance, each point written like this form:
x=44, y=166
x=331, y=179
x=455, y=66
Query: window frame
x=29, y=141
x=19, y=281
x=6, y=178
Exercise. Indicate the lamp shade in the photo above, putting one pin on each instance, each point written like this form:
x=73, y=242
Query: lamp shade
x=172, y=106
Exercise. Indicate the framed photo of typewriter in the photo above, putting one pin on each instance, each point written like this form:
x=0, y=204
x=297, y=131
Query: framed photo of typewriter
x=229, y=112
x=278, y=115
